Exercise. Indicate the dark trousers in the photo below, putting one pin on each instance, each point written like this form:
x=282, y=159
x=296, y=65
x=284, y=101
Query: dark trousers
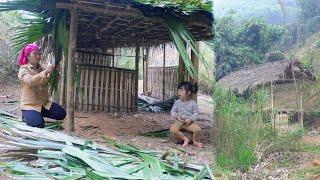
x=35, y=119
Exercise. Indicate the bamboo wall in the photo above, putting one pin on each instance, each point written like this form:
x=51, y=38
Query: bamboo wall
x=155, y=82
x=104, y=87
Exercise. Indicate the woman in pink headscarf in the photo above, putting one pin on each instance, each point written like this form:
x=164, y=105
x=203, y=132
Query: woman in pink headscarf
x=35, y=103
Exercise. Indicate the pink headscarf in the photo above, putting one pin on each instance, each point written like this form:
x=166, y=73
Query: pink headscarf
x=23, y=57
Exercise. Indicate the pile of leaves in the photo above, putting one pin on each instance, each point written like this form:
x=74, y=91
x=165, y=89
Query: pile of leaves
x=33, y=153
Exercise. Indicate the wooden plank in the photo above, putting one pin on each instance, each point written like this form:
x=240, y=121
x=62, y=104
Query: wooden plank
x=116, y=89
x=107, y=86
x=86, y=89
x=164, y=73
x=121, y=90
x=125, y=96
x=112, y=91
x=97, y=86
x=91, y=75
x=137, y=76
x=82, y=73
x=130, y=90
x=70, y=68
x=102, y=91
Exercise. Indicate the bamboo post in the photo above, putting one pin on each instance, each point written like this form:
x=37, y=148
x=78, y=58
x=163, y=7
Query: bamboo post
x=63, y=81
x=145, y=71
x=272, y=105
x=195, y=62
x=137, y=76
x=70, y=69
x=301, y=107
x=164, y=73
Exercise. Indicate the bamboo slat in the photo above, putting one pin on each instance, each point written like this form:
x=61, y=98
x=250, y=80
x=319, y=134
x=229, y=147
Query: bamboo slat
x=112, y=94
x=107, y=94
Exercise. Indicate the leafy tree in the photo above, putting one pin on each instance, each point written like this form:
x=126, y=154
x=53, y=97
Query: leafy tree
x=241, y=44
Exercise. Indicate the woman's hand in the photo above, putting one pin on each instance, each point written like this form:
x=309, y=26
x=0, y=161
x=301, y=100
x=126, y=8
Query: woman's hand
x=188, y=121
x=49, y=69
x=57, y=67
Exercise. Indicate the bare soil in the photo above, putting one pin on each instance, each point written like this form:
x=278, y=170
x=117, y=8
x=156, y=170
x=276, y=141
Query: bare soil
x=130, y=127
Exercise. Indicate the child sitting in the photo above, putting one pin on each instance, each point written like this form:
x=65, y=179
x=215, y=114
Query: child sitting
x=185, y=114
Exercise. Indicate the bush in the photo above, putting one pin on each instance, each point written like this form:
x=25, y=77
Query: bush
x=318, y=44
x=240, y=126
x=275, y=56
x=8, y=72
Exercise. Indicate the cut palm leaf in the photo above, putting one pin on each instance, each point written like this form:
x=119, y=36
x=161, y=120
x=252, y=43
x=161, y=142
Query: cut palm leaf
x=182, y=37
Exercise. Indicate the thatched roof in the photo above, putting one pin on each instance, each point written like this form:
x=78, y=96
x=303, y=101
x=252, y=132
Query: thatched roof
x=249, y=78
x=128, y=23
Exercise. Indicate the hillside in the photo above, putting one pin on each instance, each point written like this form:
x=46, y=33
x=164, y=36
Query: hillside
x=266, y=9
x=309, y=51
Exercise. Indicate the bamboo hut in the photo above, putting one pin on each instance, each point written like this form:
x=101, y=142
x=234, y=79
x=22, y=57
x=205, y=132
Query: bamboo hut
x=285, y=81
x=97, y=27
x=252, y=77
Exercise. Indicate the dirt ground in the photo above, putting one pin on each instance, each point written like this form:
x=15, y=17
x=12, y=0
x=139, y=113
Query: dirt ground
x=130, y=127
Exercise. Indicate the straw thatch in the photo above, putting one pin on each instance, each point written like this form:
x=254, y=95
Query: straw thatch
x=106, y=24
x=249, y=78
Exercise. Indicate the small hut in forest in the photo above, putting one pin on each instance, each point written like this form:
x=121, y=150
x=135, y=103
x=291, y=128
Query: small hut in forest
x=86, y=34
x=286, y=82
x=252, y=77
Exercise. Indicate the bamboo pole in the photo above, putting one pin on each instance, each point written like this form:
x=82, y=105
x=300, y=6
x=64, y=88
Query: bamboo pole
x=63, y=81
x=301, y=107
x=145, y=71
x=137, y=76
x=195, y=62
x=272, y=105
x=70, y=69
x=164, y=73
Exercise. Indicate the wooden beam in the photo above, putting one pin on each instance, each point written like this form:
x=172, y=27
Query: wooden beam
x=70, y=69
x=102, y=10
x=137, y=75
x=164, y=73
x=109, y=24
x=195, y=62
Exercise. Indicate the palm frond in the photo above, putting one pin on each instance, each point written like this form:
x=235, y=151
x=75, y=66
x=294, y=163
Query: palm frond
x=34, y=27
x=60, y=156
x=181, y=36
x=25, y=5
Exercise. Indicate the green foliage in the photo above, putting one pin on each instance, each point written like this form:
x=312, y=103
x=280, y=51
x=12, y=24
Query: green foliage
x=290, y=141
x=269, y=10
x=318, y=44
x=32, y=29
x=182, y=37
x=185, y=5
x=240, y=126
x=275, y=56
x=309, y=17
x=307, y=173
x=237, y=45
